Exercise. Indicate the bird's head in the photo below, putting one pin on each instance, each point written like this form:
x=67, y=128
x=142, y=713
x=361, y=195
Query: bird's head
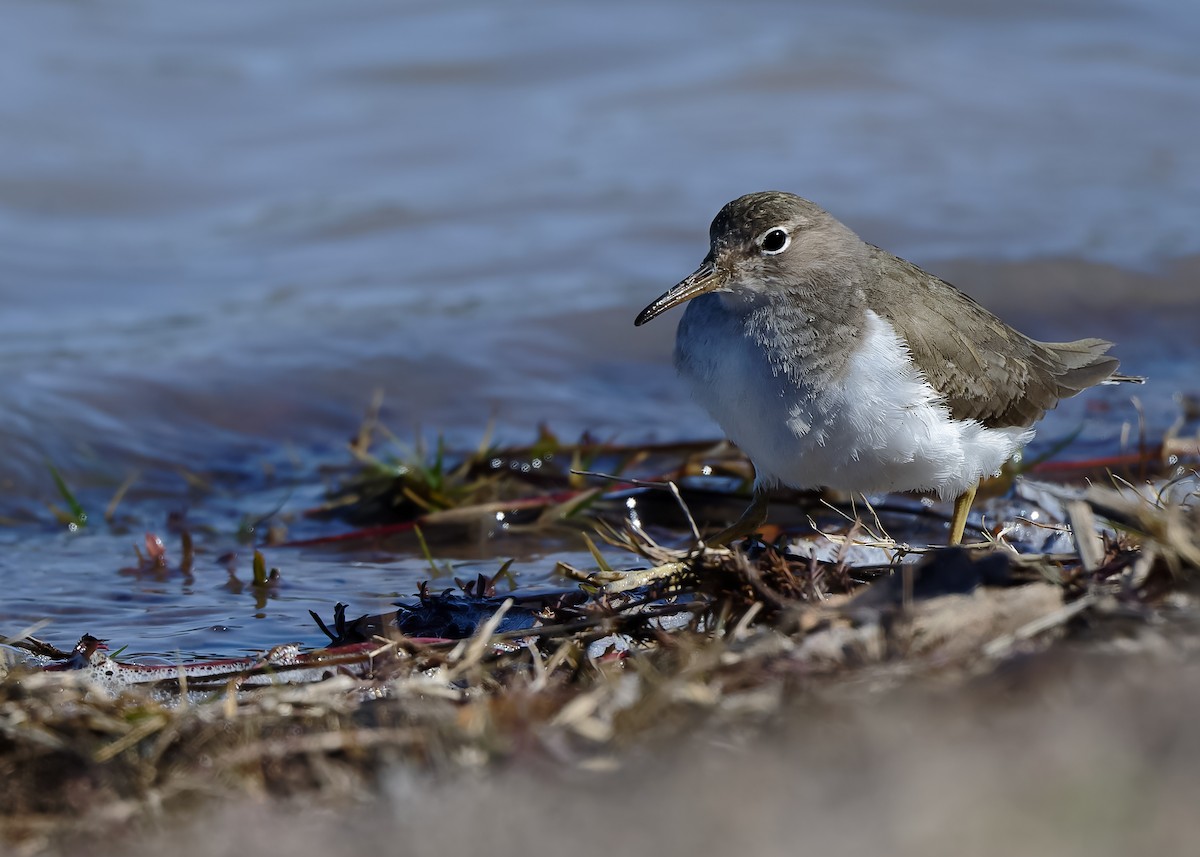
x=764, y=244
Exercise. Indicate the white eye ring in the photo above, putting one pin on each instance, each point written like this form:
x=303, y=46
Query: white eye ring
x=771, y=238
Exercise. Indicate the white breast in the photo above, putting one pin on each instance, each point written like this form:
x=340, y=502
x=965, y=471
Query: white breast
x=878, y=427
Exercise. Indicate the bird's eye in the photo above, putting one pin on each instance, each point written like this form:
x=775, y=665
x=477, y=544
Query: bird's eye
x=775, y=241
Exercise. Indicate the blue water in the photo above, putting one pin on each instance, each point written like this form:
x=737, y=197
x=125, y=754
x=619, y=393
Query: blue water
x=223, y=227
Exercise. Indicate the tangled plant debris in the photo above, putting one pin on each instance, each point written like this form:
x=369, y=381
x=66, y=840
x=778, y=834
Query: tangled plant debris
x=684, y=633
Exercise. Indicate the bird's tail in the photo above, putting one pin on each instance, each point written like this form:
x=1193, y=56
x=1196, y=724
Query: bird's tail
x=1085, y=363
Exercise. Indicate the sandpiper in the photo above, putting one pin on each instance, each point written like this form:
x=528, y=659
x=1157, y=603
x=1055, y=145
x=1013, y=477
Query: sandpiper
x=833, y=363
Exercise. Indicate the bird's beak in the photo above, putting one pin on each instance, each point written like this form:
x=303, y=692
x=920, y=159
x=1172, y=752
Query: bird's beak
x=707, y=278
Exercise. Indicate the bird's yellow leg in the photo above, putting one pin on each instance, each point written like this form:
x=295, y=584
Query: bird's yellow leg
x=747, y=524
x=962, y=507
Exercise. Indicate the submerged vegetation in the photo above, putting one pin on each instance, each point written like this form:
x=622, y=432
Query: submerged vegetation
x=662, y=632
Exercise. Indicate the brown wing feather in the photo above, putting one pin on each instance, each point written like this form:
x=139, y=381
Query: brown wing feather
x=986, y=370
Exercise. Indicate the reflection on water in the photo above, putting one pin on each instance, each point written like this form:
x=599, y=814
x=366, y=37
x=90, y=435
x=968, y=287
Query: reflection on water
x=225, y=228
